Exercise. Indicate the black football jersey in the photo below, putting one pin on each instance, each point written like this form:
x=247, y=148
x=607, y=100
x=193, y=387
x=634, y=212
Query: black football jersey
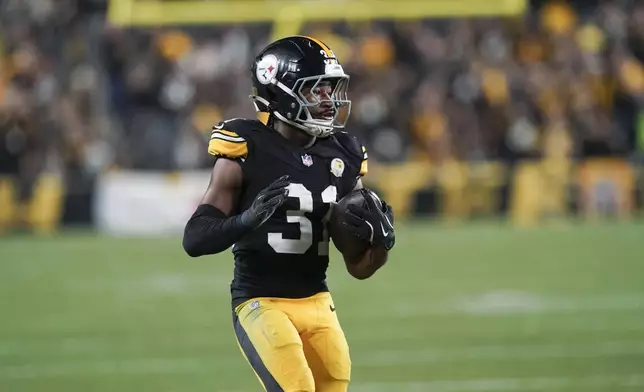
x=288, y=255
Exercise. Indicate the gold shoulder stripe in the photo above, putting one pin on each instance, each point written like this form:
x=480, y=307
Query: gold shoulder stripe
x=225, y=132
x=226, y=135
x=219, y=146
x=364, y=165
x=364, y=168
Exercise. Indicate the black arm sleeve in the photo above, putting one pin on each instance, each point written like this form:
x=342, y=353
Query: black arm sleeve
x=209, y=231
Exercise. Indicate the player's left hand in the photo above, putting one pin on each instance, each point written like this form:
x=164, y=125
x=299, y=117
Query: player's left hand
x=374, y=224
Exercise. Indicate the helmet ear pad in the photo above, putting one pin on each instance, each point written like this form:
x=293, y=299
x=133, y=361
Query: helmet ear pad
x=272, y=98
x=284, y=103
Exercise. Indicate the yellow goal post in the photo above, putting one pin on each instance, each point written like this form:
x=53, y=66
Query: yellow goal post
x=288, y=16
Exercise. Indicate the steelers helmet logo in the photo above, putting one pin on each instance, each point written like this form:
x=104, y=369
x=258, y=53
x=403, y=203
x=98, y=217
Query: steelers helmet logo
x=267, y=69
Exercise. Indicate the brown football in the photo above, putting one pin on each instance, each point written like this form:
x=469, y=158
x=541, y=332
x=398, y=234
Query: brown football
x=346, y=242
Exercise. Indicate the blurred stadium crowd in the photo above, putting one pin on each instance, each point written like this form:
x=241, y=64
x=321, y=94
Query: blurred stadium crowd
x=78, y=96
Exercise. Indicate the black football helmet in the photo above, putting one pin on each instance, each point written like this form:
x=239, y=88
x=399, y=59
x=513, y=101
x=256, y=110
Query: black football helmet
x=300, y=81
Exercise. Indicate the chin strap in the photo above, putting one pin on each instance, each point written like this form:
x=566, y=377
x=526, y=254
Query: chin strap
x=314, y=130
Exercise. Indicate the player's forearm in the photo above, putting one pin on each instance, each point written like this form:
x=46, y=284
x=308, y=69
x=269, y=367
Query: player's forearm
x=363, y=266
x=209, y=231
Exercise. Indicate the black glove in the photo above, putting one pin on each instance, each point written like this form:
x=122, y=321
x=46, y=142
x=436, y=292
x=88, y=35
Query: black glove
x=266, y=202
x=375, y=223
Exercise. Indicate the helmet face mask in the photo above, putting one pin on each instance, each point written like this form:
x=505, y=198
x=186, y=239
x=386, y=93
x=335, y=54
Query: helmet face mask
x=324, y=105
x=299, y=80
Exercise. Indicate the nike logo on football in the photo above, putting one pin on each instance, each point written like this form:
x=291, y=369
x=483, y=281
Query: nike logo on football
x=332, y=308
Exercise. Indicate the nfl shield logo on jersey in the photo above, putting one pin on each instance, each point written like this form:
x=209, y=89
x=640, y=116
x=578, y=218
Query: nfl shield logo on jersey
x=307, y=160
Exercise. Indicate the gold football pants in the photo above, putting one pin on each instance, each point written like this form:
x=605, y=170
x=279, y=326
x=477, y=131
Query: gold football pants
x=294, y=344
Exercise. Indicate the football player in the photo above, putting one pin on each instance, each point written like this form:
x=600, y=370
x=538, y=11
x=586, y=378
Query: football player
x=270, y=196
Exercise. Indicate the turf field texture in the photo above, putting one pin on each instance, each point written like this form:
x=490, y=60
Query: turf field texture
x=473, y=308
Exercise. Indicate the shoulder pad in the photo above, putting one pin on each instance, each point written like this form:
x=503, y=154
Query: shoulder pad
x=228, y=139
x=364, y=167
x=356, y=148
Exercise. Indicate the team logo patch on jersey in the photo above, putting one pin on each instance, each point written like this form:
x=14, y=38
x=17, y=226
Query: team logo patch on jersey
x=254, y=305
x=337, y=167
x=267, y=69
x=307, y=160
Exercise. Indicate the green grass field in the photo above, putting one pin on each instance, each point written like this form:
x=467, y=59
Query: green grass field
x=474, y=308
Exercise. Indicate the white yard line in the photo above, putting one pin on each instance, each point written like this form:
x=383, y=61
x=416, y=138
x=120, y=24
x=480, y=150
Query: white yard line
x=501, y=304
x=116, y=367
x=496, y=353
x=603, y=382
x=191, y=366
x=88, y=366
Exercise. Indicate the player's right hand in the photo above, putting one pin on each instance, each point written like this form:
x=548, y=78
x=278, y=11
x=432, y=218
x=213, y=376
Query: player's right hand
x=266, y=202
